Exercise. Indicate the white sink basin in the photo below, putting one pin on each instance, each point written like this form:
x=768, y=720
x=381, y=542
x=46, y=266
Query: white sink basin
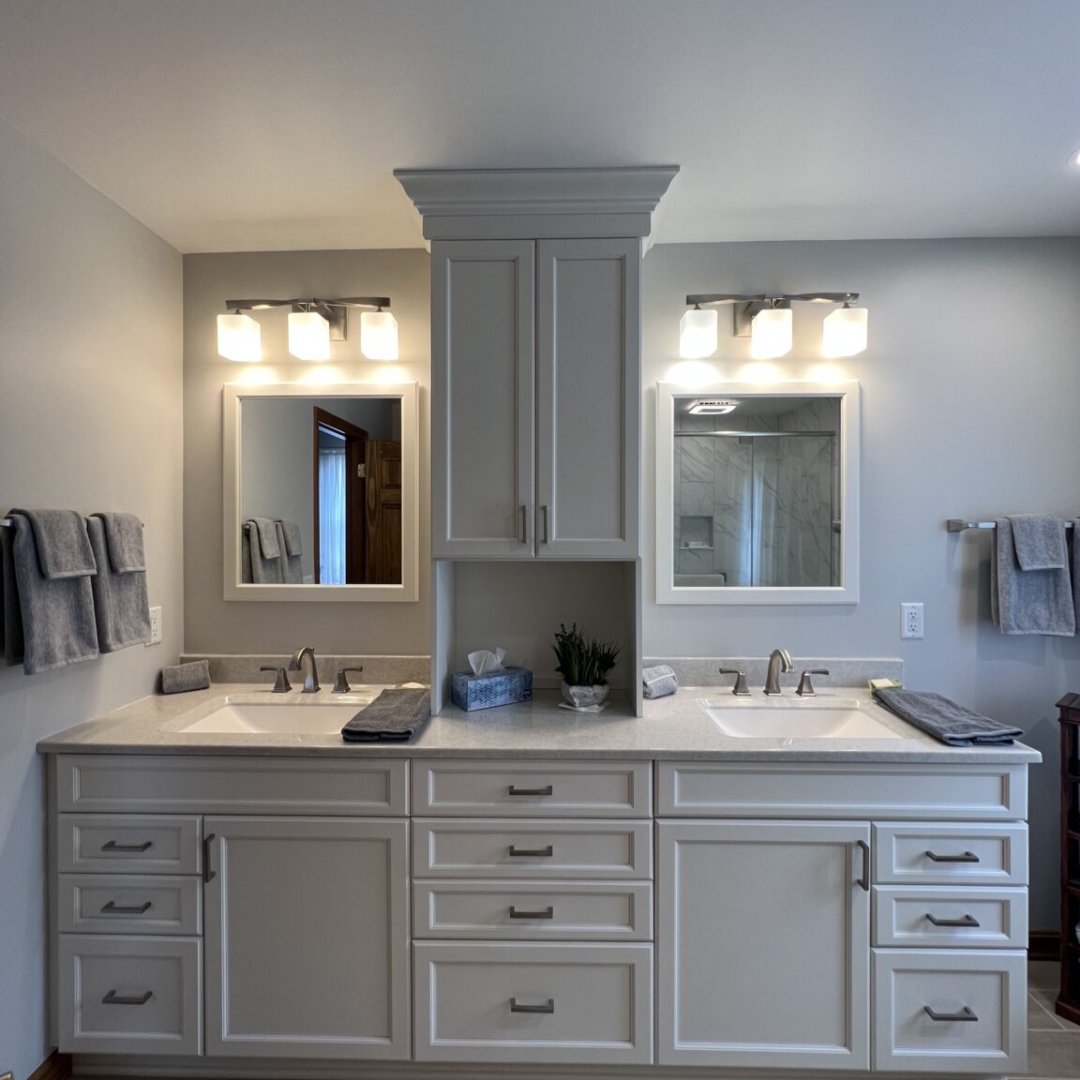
x=286, y=718
x=835, y=718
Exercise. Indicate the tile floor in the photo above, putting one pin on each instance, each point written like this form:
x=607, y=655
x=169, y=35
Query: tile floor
x=1053, y=1042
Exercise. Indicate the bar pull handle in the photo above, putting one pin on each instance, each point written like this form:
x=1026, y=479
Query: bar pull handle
x=864, y=877
x=547, y=790
x=964, y=856
x=547, y=1008
x=113, y=998
x=112, y=845
x=964, y=920
x=524, y=524
x=536, y=853
x=208, y=874
x=964, y=1014
x=546, y=913
x=113, y=908
x=544, y=511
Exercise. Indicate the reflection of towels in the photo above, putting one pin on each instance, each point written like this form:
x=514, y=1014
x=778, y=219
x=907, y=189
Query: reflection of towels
x=121, y=607
x=1028, y=601
x=266, y=532
x=294, y=544
x=1040, y=541
x=63, y=548
x=292, y=570
x=11, y=631
x=944, y=719
x=245, y=556
x=264, y=571
x=124, y=541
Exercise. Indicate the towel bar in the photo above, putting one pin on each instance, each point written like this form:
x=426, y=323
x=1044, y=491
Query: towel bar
x=959, y=525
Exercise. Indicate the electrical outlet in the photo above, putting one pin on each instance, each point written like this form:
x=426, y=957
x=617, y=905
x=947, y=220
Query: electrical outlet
x=155, y=634
x=911, y=620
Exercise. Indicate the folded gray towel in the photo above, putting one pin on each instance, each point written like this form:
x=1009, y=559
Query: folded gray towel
x=394, y=715
x=944, y=719
x=57, y=613
x=63, y=548
x=264, y=571
x=1040, y=541
x=180, y=678
x=1028, y=601
x=11, y=631
x=266, y=531
x=121, y=607
x=292, y=570
x=659, y=681
x=124, y=541
x=294, y=544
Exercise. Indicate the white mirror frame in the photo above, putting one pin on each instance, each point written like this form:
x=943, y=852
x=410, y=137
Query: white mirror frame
x=408, y=591
x=848, y=590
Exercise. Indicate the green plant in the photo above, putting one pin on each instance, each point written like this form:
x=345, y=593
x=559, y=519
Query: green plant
x=583, y=661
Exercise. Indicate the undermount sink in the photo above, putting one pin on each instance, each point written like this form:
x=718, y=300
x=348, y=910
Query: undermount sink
x=835, y=718
x=281, y=718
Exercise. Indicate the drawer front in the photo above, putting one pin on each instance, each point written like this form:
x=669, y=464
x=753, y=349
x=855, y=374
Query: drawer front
x=523, y=911
x=971, y=853
x=458, y=848
x=130, y=995
x=128, y=844
x=132, y=783
x=879, y=792
x=587, y=1004
x=939, y=916
x=532, y=789
x=128, y=904
x=978, y=999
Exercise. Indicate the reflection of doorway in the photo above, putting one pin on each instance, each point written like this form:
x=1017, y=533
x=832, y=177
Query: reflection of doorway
x=340, y=496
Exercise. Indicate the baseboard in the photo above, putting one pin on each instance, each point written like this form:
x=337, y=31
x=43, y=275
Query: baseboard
x=56, y=1066
x=1044, y=945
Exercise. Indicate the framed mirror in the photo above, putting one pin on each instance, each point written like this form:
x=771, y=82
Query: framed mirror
x=757, y=494
x=321, y=492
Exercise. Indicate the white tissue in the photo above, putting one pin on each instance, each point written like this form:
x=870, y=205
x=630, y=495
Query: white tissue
x=486, y=662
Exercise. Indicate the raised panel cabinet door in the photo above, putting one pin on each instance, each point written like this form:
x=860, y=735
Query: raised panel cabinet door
x=306, y=935
x=483, y=399
x=588, y=398
x=763, y=944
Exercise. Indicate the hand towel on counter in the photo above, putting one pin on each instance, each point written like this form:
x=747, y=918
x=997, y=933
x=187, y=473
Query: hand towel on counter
x=121, y=606
x=292, y=570
x=945, y=720
x=183, y=678
x=1028, y=601
x=659, y=681
x=1039, y=540
x=265, y=569
x=396, y=715
x=11, y=631
x=63, y=547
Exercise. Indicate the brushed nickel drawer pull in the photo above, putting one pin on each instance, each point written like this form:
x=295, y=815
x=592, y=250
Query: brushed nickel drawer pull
x=524, y=525
x=208, y=874
x=113, y=908
x=113, y=998
x=966, y=856
x=964, y=1014
x=964, y=920
x=112, y=845
x=547, y=913
x=537, y=853
x=549, y=790
x=548, y=1007
x=864, y=877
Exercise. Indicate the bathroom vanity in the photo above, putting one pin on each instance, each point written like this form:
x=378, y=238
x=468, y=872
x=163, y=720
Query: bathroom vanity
x=525, y=886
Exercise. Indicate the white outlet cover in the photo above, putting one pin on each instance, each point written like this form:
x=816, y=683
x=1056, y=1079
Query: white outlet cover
x=155, y=626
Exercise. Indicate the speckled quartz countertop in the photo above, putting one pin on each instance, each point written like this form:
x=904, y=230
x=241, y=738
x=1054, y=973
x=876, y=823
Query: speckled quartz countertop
x=672, y=727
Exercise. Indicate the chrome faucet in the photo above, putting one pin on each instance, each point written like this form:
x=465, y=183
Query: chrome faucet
x=311, y=678
x=779, y=661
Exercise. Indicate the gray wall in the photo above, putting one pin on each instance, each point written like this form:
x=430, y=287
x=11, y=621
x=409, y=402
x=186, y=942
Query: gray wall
x=970, y=389
x=90, y=418
x=211, y=624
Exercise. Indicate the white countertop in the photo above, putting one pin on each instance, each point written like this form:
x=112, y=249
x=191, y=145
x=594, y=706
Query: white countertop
x=672, y=727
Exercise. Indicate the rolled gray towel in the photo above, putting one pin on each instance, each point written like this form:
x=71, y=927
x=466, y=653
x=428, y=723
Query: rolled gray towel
x=659, y=681
x=393, y=715
x=944, y=719
x=180, y=678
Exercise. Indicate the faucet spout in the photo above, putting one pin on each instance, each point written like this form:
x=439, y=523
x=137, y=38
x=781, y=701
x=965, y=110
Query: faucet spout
x=779, y=661
x=311, y=674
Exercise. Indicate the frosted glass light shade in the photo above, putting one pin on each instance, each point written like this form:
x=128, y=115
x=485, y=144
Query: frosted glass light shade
x=844, y=332
x=239, y=338
x=309, y=336
x=378, y=335
x=770, y=333
x=697, y=334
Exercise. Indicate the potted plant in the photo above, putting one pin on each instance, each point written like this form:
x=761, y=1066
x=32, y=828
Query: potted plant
x=584, y=664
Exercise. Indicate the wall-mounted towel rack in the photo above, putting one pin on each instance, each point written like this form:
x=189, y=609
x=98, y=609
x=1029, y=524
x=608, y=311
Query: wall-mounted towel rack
x=959, y=525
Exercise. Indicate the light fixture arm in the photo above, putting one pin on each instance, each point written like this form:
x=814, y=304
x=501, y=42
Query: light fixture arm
x=771, y=299
x=311, y=303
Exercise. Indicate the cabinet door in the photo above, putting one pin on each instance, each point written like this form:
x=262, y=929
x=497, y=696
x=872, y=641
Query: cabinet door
x=589, y=398
x=483, y=399
x=764, y=944
x=306, y=938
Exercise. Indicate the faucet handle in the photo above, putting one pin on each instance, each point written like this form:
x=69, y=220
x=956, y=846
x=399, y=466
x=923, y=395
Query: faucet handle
x=740, y=689
x=281, y=683
x=341, y=680
x=806, y=687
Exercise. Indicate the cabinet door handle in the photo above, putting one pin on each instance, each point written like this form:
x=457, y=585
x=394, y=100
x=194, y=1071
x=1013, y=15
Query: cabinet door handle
x=112, y=845
x=864, y=877
x=544, y=511
x=548, y=1007
x=964, y=856
x=113, y=998
x=524, y=524
x=539, y=853
x=113, y=908
x=548, y=790
x=208, y=874
x=964, y=920
x=965, y=1014
x=546, y=913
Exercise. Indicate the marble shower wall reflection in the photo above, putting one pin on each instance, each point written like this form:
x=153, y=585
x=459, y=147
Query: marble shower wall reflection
x=758, y=510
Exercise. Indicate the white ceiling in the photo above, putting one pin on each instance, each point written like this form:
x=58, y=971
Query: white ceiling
x=230, y=125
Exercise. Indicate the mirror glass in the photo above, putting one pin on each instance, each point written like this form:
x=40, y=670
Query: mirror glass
x=754, y=495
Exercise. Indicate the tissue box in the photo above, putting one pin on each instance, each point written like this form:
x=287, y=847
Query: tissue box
x=471, y=692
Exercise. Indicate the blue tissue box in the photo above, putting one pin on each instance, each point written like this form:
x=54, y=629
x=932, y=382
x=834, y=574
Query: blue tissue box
x=471, y=692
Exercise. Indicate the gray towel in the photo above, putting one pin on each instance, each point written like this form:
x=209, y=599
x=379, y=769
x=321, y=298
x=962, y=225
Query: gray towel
x=245, y=556
x=944, y=719
x=180, y=678
x=266, y=532
x=63, y=548
x=264, y=571
x=124, y=541
x=11, y=631
x=1040, y=541
x=294, y=544
x=292, y=570
x=394, y=715
x=121, y=606
x=659, y=681
x=57, y=613
x=1028, y=601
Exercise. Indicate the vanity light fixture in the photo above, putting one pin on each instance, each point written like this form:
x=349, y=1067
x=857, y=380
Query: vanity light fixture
x=378, y=335
x=697, y=333
x=843, y=333
x=239, y=338
x=309, y=335
x=770, y=332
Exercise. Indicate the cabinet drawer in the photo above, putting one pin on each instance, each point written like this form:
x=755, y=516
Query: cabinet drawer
x=543, y=1003
x=127, y=843
x=123, y=904
x=977, y=997
x=939, y=855
x=953, y=918
x=532, y=789
x=130, y=995
x=523, y=911
x=526, y=849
